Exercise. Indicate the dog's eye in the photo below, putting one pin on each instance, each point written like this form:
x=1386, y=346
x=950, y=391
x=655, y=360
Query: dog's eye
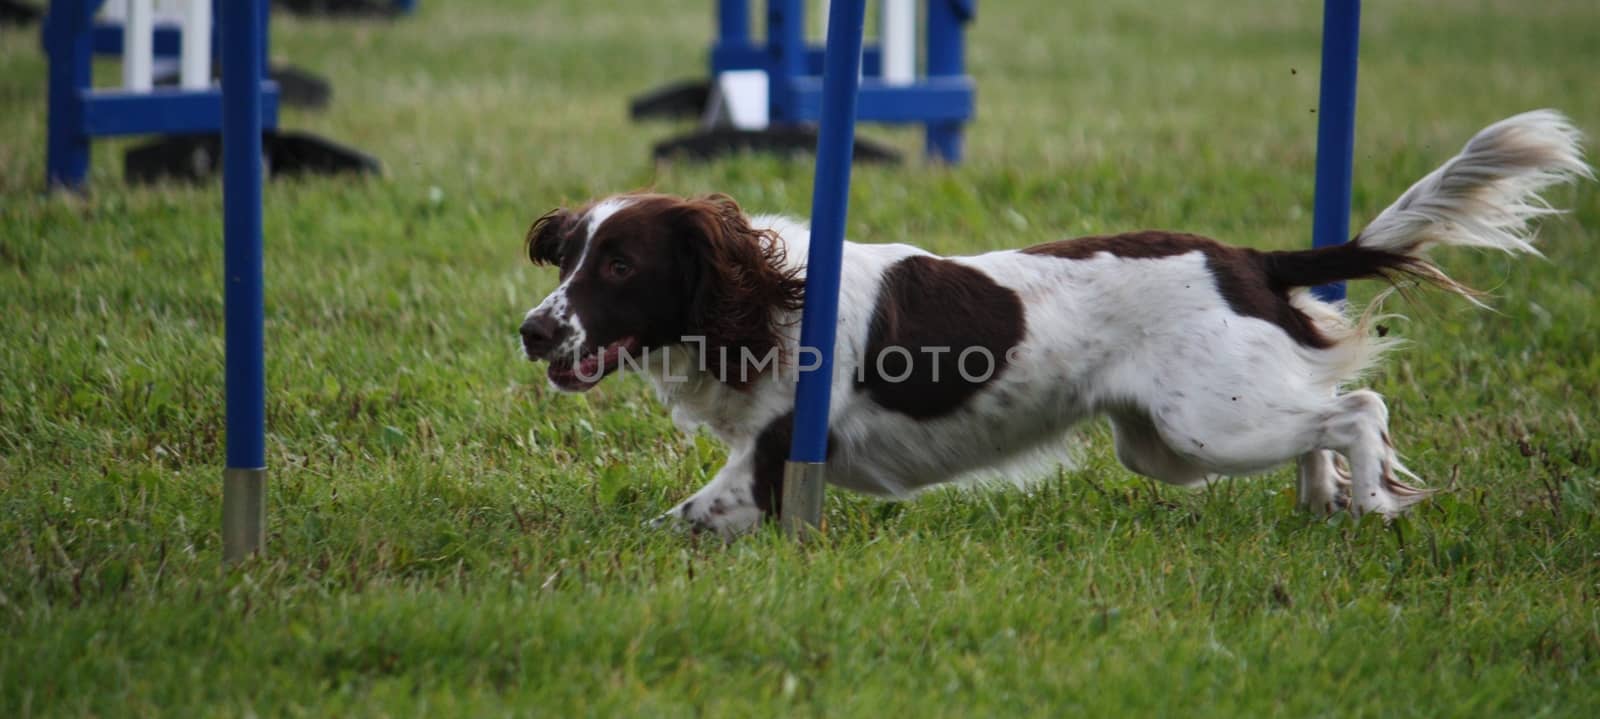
x=619, y=268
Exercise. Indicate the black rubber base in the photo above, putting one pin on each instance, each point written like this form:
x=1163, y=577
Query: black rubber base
x=710, y=144
x=679, y=100
x=198, y=158
x=299, y=88
x=339, y=8
x=16, y=12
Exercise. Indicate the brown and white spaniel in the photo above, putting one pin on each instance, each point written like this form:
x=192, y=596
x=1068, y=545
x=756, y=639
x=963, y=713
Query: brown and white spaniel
x=1208, y=359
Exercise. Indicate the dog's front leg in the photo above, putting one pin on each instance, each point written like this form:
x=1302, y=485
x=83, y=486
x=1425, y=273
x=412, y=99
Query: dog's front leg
x=726, y=505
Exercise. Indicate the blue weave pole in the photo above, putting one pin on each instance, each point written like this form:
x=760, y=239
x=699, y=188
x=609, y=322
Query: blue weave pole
x=830, y=200
x=1336, y=130
x=243, y=36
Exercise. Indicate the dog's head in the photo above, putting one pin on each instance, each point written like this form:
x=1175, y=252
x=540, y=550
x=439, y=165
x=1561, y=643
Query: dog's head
x=642, y=272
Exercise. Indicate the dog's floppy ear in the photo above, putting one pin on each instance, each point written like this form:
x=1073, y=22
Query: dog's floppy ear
x=739, y=280
x=546, y=236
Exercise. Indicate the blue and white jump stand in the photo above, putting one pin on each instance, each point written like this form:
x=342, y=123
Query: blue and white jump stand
x=296, y=87
x=187, y=118
x=940, y=98
x=78, y=113
x=805, y=473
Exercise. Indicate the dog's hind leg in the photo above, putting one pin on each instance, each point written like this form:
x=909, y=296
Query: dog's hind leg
x=1220, y=439
x=1324, y=485
x=1358, y=428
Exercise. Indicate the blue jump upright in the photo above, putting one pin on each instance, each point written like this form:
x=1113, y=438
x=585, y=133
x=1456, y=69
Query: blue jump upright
x=804, y=474
x=947, y=58
x=1336, y=130
x=244, y=483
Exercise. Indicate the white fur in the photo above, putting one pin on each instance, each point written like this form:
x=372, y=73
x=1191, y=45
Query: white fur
x=1487, y=195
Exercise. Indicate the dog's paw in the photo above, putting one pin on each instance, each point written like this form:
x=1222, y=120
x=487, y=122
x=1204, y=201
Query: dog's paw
x=671, y=520
x=1326, y=506
x=720, y=515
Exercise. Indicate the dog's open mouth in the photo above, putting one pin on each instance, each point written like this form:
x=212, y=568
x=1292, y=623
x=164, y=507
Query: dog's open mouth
x=580, y=374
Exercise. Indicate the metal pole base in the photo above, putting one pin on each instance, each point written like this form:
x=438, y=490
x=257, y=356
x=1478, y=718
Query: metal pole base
x=244, y=513
x=802, y=498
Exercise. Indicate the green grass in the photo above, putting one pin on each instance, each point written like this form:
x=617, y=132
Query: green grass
x=449, y=537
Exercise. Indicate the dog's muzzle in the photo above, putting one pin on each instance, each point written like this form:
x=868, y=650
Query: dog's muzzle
x=541, y=334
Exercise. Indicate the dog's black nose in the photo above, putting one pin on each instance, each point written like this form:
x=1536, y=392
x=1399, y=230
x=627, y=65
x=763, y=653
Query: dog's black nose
x=539, y=335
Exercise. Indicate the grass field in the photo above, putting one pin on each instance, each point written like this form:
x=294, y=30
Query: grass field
x=450, y=537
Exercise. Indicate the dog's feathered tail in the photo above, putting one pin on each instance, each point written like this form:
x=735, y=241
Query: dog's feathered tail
x=1485, y=196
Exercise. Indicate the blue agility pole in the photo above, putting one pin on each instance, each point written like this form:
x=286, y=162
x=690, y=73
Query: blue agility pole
x=1336, y=130
x=803, y=475
x=244, y=482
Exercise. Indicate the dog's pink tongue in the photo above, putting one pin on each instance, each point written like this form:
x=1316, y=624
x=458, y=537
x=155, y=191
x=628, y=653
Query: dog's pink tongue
x=613, y=353
x=610, y=358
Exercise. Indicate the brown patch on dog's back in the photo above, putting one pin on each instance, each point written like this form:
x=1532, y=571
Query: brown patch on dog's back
x=1241, y=273
x=932, y=303
x=1148, y=244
